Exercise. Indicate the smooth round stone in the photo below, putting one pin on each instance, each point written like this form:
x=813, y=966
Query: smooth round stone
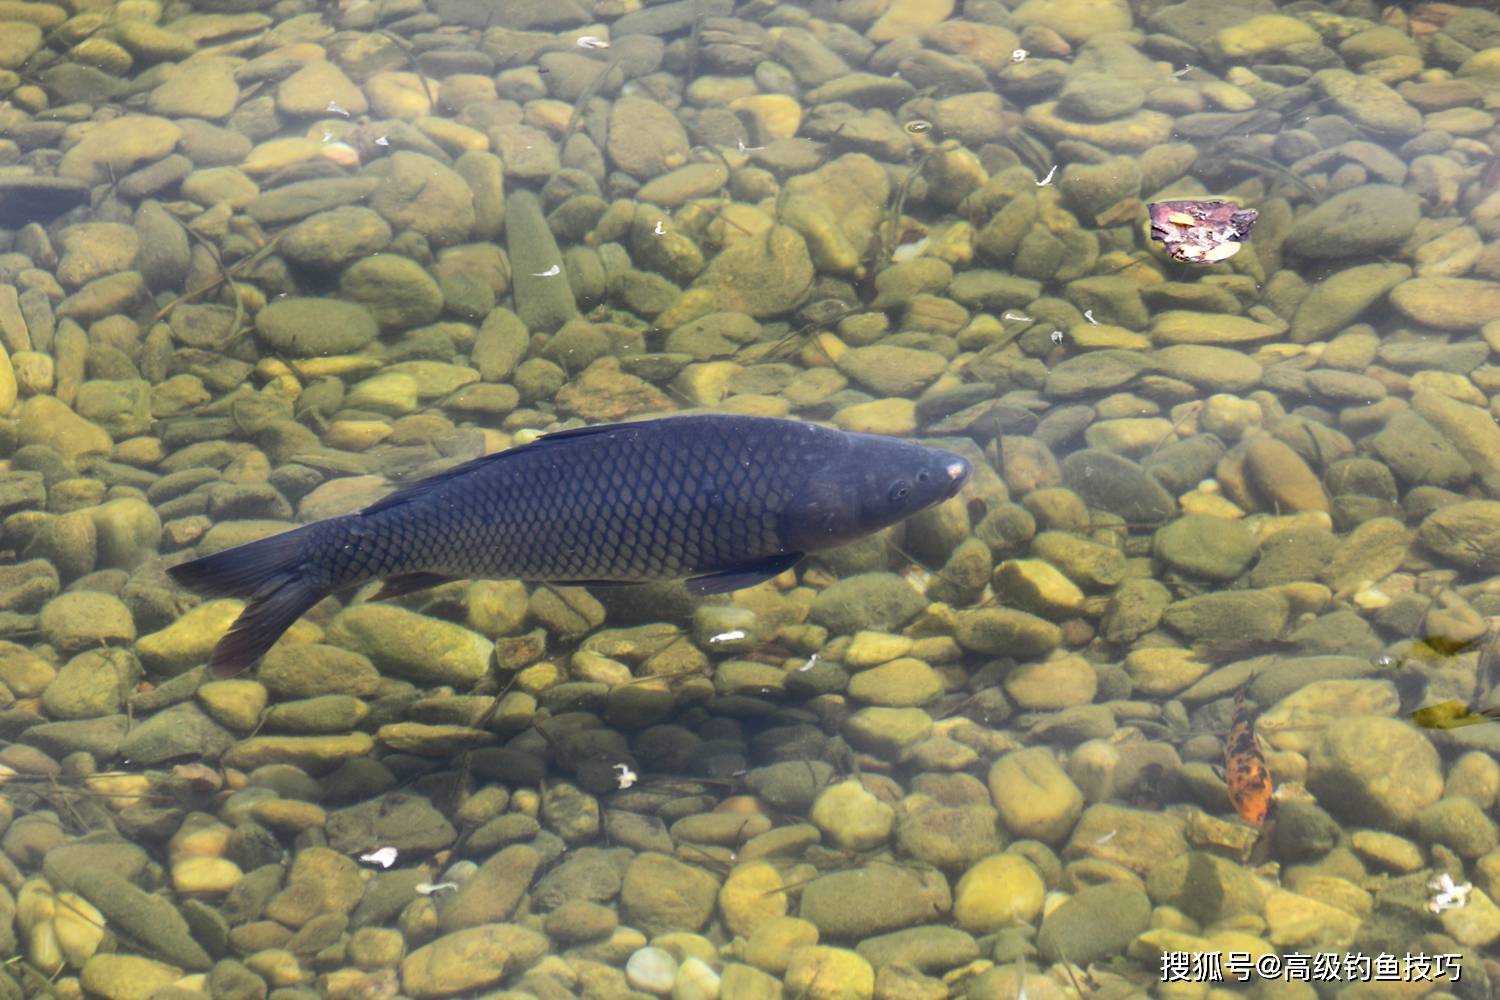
x=1362, y=220
x=1099, y=97
x=996, y=892
x=308, y=327
x=696, y=980
x=1354, y=765
x=205, y=876
x=651, y=970
x=1034, y=795
x=852, y=817
x=1448, y=303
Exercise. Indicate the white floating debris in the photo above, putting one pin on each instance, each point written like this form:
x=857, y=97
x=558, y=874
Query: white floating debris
x=811, y=661
x=382, y=141
x=382, y=856
x=1019, y=55
x=910, y=251
x=592, y=42
x=1179, y=73
x=627, y=777
x=1106, y=838
x=730, y=636
x=335, y=108
x=661, y=228
x=1057, y=336
x=429, y=888
x=1088, y=314
x=749, y=149
x=551, y=272
x=1447, y=894
x=1048, y=179
x=1018, y=317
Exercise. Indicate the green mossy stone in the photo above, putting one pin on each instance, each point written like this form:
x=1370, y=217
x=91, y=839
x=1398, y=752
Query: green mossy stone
x=1095, y=923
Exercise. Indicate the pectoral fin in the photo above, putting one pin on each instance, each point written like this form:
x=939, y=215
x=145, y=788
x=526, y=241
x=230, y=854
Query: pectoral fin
x=745, y=575
x=408, y=583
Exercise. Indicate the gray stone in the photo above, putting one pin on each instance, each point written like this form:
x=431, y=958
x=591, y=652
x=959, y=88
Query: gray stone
x=313, y=327
x=1116, y=484
x=544, y=301
x=1362, y=220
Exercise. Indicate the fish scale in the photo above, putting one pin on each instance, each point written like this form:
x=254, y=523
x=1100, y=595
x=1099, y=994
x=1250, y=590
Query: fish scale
x=724, y=500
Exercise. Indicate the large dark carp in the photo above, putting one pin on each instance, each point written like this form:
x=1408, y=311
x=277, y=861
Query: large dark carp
x=725, y=501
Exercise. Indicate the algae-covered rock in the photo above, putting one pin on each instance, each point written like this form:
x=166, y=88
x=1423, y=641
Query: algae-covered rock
x=761, y=276
x=888, y=370
x=1211, y=548
x=1375, y=771
x=396, y=290
x=1232, y=618
x=544, y=300
x=145, y=918
x=470, y=959
x=174, y=733
x=997, y=891
x=1459, y=824
x=417, y=192
x=1369, y=102
x=1448, y=303
x=868, y=600
x=852, y=817
x=412, y=645
x=645, y=138
x=1034, y=795
x=1205, y=887
x=949, y=837
x=1259, y=36
x=1006, y=632
x=836, y=209
x=1095, y=923
x=310, y=327
x=1339, y=299
x=854, y=904
x=661, y=893
x=1465, y=533
x=79, y=620
x=118, y=146
x=1362, y=220
x=1114, y=483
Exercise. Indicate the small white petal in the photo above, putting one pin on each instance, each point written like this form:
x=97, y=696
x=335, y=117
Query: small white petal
x=382, y=856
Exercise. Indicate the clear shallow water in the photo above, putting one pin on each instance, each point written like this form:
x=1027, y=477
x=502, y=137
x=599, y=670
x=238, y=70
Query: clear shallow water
x=264, y=260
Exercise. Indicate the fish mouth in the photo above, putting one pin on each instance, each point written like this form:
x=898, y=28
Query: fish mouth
x=957, y=472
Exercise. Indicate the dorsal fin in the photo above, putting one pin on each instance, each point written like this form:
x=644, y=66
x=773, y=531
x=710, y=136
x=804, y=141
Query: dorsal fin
x=423, y=487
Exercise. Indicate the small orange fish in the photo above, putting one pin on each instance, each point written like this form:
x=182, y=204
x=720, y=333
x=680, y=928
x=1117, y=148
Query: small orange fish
x=1250, y=788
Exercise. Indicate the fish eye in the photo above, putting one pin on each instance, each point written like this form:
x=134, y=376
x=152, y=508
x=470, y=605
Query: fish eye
x=899, y=491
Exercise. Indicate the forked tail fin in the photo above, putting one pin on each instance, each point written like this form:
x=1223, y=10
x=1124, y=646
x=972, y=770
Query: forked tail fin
x=273, y=575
